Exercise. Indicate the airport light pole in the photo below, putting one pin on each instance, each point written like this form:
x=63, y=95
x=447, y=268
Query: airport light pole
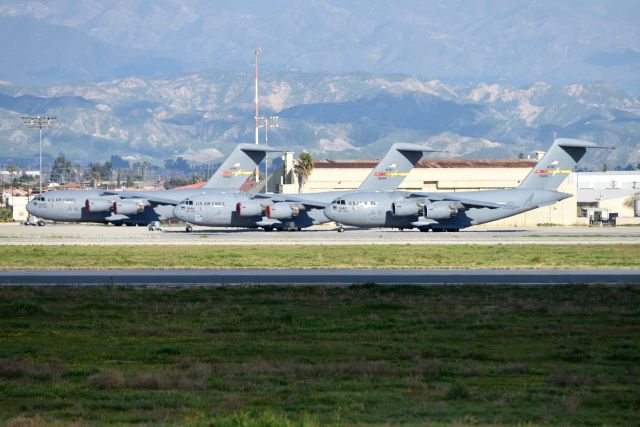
x=39, y=122
x=268, y=122
x=258, y=52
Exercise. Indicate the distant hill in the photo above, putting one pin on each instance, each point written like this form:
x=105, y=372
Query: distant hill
x=202, y=116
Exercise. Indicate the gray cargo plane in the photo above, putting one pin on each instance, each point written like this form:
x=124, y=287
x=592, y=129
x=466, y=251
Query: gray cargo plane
x=293, y=212
x=453, y=211
x=145, y=207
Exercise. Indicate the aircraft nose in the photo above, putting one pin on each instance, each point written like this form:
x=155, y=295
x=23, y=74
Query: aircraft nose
x=328, y=212
x=179, y=212
x=30, y=208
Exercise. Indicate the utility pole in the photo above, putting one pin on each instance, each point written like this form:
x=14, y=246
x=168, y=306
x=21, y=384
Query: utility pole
x=258, y=51
x=39, y=122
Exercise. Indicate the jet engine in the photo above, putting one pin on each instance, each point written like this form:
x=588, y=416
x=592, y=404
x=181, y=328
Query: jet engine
x=441, y=210
x=405, y=208
x=282, y=211
x=97, y=205
x=249, y=208
x=129, y=207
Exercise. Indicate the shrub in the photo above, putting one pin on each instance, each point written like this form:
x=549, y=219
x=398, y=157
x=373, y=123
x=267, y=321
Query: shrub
x=457, y=392
x=106, y=380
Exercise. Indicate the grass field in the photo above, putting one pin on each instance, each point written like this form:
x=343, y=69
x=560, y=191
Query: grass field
x=300, y=256
x=365, y=355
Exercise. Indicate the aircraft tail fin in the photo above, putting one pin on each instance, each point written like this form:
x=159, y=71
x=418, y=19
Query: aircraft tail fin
x=394, y=167
x=557, y=164
x=239, y=166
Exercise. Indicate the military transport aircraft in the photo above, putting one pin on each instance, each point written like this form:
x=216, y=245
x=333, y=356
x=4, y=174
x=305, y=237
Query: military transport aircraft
x=293, y=212
x=145, y=207
x=453, y=211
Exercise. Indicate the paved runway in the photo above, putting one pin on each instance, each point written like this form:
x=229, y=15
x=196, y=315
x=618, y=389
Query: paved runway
x=75, y=234
x=319, y=277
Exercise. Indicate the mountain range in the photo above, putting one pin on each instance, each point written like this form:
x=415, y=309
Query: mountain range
x=201, y=116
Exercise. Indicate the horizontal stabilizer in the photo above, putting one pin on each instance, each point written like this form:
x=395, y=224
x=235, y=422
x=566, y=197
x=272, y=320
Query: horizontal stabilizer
x=394, y=167
x=239, y=166
x=557, y=163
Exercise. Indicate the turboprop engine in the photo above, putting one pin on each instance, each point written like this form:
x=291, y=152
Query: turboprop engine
x=283, y=210
x=249, y=208
x=97, y=205
x=129, y=207
x=406, y=208
x=441, y=210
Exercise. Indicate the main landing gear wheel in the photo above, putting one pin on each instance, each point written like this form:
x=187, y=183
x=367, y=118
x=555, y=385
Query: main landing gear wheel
x=154, y=226
x=188, y=229
x=341, y=229
x=40, y=223
x=268, y=229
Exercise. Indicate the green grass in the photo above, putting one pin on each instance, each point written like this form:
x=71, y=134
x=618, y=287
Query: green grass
x=363, y=355
x=300, y=256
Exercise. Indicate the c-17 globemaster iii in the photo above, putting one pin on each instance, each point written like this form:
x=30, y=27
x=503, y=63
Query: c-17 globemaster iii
x=440, y=211
x=289, y=211
x=145, y=207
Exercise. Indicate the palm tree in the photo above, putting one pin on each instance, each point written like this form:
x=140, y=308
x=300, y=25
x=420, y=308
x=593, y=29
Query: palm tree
x=303, y=168
x=145, y=166
x=95, y=179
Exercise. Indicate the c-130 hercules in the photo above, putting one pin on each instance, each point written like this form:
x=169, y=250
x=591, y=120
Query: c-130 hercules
x=145, y=207
x=440, y=211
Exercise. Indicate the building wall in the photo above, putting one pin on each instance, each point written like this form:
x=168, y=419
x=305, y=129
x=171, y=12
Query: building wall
x=19, y=206
x=610, y=190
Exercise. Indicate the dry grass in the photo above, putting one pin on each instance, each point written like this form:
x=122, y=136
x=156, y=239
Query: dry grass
x=15, y=368
x=395, y=256
x=106, y=380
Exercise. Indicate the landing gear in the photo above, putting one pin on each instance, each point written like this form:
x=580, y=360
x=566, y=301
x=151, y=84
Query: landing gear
x=188, y=228
x=40, y=223
x=340, y=229
x=424, y=229
x=154, y=226
x=268, y=229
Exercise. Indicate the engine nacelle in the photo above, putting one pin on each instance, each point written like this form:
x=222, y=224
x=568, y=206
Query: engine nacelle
x=129, y=207
x=282, y=210
x=441, y=210
x=97, y=205
x=405, y=208
x=249, y=208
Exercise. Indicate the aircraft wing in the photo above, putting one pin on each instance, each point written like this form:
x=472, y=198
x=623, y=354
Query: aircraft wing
x=146, y=196
x=292, y=199
x=467, y=203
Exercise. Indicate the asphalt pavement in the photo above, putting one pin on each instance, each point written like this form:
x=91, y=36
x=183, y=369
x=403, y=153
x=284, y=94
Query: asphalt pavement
x=318, y=277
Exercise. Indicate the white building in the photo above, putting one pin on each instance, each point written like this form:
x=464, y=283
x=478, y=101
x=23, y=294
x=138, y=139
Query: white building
x=613, y=190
